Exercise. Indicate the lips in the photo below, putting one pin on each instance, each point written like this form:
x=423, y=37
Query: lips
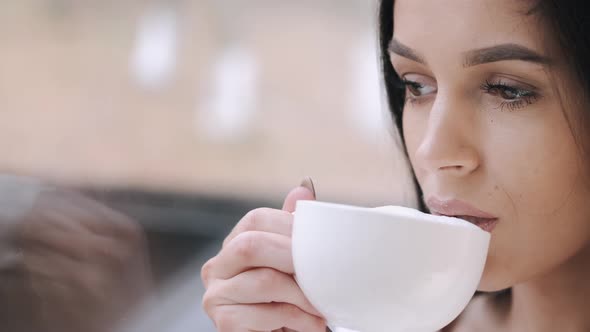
x=462, y=210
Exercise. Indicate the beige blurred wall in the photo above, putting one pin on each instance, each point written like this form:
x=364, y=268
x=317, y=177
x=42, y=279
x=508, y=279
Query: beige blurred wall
x=72, y=110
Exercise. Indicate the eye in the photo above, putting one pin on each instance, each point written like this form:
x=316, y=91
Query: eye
x=511, y=96
x=417, y=86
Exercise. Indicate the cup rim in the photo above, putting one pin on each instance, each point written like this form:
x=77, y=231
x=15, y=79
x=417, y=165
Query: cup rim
x=409, y=217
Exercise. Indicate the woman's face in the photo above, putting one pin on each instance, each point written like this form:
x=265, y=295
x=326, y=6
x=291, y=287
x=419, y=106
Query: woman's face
x=484, y=124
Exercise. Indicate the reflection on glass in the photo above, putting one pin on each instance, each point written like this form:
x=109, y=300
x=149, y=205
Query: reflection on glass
x=68, y=262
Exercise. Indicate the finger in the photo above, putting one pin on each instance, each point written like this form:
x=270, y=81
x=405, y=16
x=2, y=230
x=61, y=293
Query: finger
x=36, y=240
x=260, y=285
x=49, y=265
x=50, y=218
x=305, y=191
x=266, y=317
x=81, y=246
x=263, y=220
x=250, y=250
x=104, y=220
x=70, y=209
x=91, y=281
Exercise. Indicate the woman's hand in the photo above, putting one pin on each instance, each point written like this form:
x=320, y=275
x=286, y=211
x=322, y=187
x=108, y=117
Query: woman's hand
x=250, y=284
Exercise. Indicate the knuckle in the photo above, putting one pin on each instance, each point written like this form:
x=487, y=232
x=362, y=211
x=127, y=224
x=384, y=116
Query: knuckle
x=206, y=271
x=208, y=302
x=267, y=278
x=246, y=245
x=253, y=218
x=226, y=319
x=252, y=221
x=289, y=312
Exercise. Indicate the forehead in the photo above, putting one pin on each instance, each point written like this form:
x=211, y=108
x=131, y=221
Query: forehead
x=455, y=26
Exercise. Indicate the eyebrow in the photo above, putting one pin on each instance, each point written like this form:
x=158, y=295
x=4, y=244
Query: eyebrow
x=502, y=52
x=395, y=46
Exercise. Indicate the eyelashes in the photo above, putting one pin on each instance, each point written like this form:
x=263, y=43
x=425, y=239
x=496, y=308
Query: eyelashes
x=513, y=97
x=508, y=96
x=415, y=91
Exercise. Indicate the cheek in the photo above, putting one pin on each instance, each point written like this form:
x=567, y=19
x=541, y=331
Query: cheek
x=535, y=161
x=537, y=175
x=530, y=154
x=537, y=170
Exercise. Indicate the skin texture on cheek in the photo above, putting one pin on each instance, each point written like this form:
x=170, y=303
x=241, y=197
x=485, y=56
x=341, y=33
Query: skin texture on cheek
x=541, y=198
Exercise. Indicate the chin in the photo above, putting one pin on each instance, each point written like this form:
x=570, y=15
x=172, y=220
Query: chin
x=493, y=280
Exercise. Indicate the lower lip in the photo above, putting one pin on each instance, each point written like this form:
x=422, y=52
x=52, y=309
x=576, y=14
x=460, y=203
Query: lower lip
x=485, y=224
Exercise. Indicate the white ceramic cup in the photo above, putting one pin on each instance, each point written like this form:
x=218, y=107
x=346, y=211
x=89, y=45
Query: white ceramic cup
x=390, y=269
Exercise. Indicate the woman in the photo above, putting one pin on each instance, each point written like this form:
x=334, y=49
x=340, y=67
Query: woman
x=491, y=98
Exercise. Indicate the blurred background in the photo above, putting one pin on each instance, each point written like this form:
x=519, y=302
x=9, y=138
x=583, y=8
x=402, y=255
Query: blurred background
x=175, y=117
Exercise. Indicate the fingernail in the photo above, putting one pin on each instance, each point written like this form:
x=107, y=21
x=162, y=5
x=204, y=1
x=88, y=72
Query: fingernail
x=308, y=183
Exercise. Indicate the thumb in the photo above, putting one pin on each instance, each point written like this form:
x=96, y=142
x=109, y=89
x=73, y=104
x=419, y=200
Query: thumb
x=305, y=191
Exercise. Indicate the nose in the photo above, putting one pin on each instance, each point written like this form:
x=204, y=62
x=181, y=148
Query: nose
x=449, y=143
